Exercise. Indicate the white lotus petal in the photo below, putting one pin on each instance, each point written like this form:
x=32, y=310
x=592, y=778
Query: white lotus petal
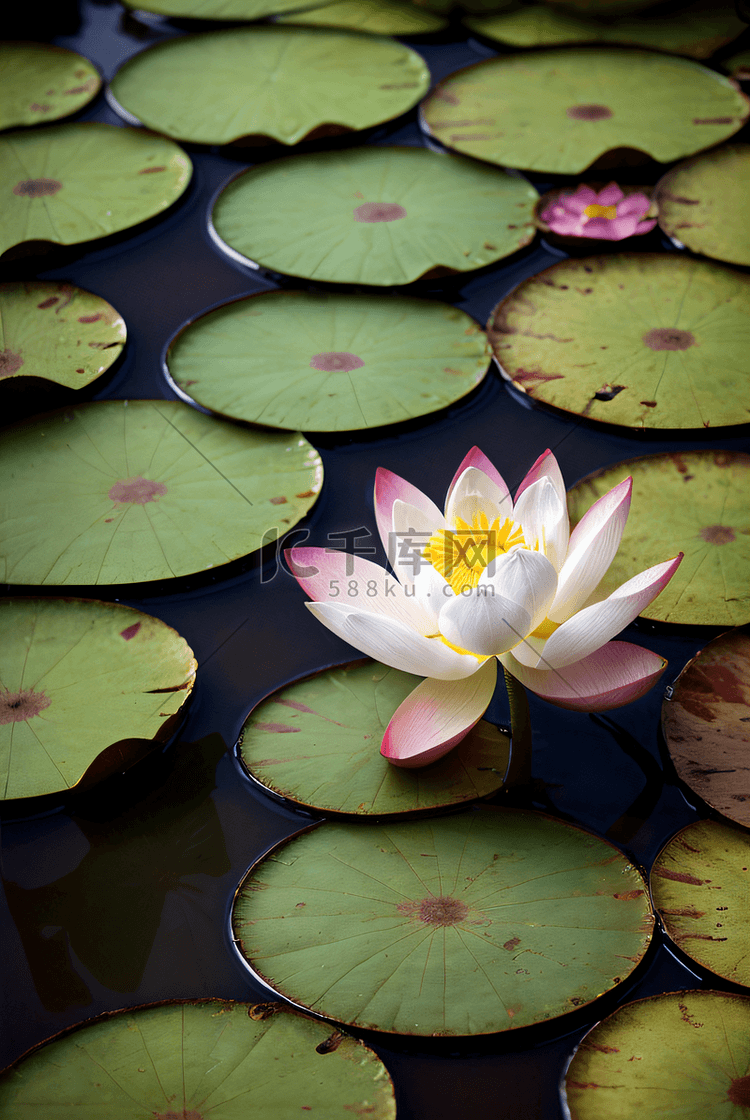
x=476, y=493
x=543, y=514
x=390, y=487
x=477, y=458
x=546, y=466
x=526, y=578
x=410, y=535
x=394, y=644
x=483, y=622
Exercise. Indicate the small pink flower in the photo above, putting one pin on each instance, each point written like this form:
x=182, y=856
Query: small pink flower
x=609, y=215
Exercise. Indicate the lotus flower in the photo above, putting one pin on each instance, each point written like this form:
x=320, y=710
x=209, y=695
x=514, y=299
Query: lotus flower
x=489, y=580
x=609, y=215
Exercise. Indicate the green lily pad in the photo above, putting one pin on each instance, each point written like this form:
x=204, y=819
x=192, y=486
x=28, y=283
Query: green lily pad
x=561, y=110
x=644, y=340
x=603, y=7
x=738, y=66
x=679, y=1055
x=288, y=360
x=317, y=742
x=54, y=330
x=218, y=10
x=132, y=491
x=693, y=502
x=700, y=883
x=77, y=676
x=378, y=17
x=197, y=1059
x=276, y=82
x=705, y=204
x=375, y=215
x=706, y=725
x=75, y=182
x=466, y=924
x=39, y=82
x=701, y=29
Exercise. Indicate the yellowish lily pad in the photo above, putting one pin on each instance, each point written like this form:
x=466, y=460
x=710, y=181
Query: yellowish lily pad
x=39, y=83
x=77, y=677
x=561, y=110
x=327, y=362
x=317, y=742
x=377, y=17
x=700, y=883
x=278, y=82
x=706, y=725
x=375, y=215
x=219, y=10
x=692, y=502
x=134, y=491
x=643, y=340
x=54, y=330
x=76, y=182
x=461, y=925
x=705, y=203
x=679, y=1055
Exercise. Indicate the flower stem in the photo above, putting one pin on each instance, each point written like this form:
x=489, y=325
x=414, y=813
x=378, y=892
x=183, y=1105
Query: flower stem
x=518, y=778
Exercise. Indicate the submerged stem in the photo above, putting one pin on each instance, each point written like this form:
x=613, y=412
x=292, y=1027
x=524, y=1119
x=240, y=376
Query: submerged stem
x=518, y=778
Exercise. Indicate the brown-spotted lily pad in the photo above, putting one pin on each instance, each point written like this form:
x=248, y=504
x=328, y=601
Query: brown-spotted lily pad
x=701, y=28
x=78, y=676
x=134, y=491
x=317, y=742
x=700, y=883
x=738, y=66
x=279, y=82
x=329, y=362
x=219, y=10
x=76, y=182
x=679, y=1055
x=706, y=724
x=375, y=215
x=39, y=82
x=377, y=17
x=561, y=110
x=199, y=1060
x=460, y=925
x=643, y=340
x=693, y=502
x=56, y=331
x=705, y=203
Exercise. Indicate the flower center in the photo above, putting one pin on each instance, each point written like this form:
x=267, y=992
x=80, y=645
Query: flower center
x=462, y=554
x=597, y=211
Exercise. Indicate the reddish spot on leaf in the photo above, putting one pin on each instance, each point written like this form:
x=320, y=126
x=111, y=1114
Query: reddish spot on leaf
x=510, y=945
x=17, y=707
x=80, y=371
x=336, y=361
x=137, y=491
x=10, y=363
x=130, y=631
x=739, y=1091
x=718, y=534
x=588, y=112
x=37, y=188
x=713, y=120
x=79, y=89
x=435, y=910
x=35, y=107
x=678, y=876
x=88, y=318
x=306, y=494
x=668, y=338
x=150, y=170
x=379, y=212
x=48, y=302
x=279, y=501
x=628, y=896
x=282, y=728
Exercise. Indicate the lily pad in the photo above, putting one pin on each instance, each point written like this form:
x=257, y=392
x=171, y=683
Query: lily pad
x=375, y=215
x=54, y=330
x=693, y=502
x=219, y=10
x=329, y=363
x=561, y=110
x=706, y=724
x=705, y=204
x=131, y=491
x=39, y=82
x=672, y=1056
x=738, y=66
x=317, y=742
x=197, y=1059
x=701, y=29
x=277, y=82
x=75, y=182
x=78, y=676
x=700, y=883
x=466, y=924
x=378, y=17
x=644, y=340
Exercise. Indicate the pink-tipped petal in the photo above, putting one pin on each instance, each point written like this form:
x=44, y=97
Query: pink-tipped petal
x=476, y=458
x=436, y=716
x=388, y=488
x=595, y=625
x=331, y=576
x=475, y=493
x=610, y=196
x=610, y=229
x=568, y=225
x=543, y=514
x=613, y=676
x=577, y=202
x=545, y=466
x=591, y=549
x=636, y=204
x=644, y=227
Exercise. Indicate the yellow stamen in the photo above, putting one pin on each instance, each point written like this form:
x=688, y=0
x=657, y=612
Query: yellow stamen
x=595, y=210
x=462, y=554
x=545, y=629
